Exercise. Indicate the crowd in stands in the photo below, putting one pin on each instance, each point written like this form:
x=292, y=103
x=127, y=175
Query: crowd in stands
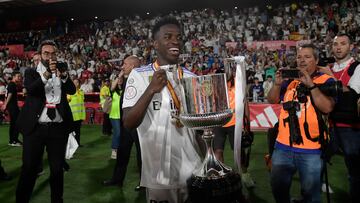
x=94, y=51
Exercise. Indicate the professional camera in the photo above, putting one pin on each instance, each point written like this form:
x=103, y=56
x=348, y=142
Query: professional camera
x=61, y=66
x=295, y=135
x=332, y=89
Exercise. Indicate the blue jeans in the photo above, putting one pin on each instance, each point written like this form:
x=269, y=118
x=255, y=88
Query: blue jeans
x=284, y=166
x=348, y=139
x=116, y=133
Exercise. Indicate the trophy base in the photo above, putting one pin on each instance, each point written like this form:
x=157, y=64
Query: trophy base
x=225, y=189
x=214, y=181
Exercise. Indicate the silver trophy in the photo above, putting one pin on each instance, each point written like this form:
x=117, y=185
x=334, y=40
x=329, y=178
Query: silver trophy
x=205, y=105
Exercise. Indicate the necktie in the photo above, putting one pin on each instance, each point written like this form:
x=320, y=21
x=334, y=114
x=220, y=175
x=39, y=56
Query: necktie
x=51, y=113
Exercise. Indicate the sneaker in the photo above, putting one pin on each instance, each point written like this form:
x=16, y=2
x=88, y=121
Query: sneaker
x=297, y=200
x=247, y=180
x=113, y=154
x=139, y=188
x=15, y=144
x=40, y=173
x=323, y=188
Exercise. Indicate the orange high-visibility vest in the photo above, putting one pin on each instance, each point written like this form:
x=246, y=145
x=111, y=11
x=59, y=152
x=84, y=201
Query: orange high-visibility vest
x=284, y=133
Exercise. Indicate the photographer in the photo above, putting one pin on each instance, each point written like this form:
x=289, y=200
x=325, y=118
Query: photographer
x=301, y=128
x=45, y=121
x=345, y=118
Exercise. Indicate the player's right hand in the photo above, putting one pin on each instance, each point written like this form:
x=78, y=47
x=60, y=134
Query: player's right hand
x=159, y=81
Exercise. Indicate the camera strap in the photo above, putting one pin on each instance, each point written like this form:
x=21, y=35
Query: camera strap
x=322, y=125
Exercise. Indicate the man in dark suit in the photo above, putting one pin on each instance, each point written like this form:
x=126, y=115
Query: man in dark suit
x=44, y=122
x=128, y=137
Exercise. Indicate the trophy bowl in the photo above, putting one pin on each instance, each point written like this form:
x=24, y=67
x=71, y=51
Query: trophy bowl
x=206, y=120
x=205, y=105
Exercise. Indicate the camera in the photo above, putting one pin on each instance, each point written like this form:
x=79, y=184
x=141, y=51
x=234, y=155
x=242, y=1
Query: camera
x=290, y=73
x=332, y=89
x=294, y=127
x=324, y=61
x=61, y=66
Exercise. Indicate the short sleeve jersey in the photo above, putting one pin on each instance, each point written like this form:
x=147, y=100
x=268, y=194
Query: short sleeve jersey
x=169, y=154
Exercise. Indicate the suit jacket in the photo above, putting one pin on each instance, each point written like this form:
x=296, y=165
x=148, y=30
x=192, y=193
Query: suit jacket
x=35, y=102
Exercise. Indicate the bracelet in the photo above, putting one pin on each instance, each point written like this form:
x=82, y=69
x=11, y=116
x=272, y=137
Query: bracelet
x=312, y=87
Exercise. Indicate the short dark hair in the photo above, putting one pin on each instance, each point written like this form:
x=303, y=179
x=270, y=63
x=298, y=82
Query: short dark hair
x=46, y=42
x=15, y=73
x=313, y=47
x=345, y=35
x=164, y=21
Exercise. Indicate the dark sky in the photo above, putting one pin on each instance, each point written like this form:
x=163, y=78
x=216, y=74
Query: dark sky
x=114, y=8
x=110, y=9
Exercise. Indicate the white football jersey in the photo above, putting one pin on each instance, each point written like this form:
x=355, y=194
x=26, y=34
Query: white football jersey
x=169, y=154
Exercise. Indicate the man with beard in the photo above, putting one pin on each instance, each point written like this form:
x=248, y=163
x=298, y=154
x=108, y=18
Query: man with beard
x=44, y=122
x=168, y=150
x=345, y=119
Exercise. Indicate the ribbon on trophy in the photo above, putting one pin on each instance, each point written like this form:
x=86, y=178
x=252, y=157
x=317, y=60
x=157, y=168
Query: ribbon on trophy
x=177, y=74
x=240, y=96
x=167, y=144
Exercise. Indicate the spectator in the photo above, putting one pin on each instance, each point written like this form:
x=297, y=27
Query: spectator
x=257, y=91
x=11, y=105
x=267, y=85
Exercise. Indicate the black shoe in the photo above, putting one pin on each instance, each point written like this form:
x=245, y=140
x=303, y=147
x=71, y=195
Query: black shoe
x=66, y=166
x=5, y=177
x=111, y=183
x=138, y=188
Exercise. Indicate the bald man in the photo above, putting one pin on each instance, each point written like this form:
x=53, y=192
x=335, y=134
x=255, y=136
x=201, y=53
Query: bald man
x=127, y=137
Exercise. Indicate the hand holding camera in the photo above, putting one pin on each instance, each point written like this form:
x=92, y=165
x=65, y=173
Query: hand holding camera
x=60, y=68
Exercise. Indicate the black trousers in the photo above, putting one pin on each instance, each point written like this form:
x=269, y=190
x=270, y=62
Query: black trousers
x=127, y=139
x=106, y=126
x=53, y=137
x=2, y=171
x=13, y=131
x=76, y=129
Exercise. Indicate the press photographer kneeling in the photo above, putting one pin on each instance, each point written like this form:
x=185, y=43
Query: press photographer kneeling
x=302, y=130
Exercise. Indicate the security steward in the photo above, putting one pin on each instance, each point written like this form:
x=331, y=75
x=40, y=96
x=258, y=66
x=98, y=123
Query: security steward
x=76, y=102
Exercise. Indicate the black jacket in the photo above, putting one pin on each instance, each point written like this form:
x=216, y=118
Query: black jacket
x=35, y=102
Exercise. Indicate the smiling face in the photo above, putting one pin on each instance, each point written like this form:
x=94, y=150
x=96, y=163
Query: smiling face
x=167, y=44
